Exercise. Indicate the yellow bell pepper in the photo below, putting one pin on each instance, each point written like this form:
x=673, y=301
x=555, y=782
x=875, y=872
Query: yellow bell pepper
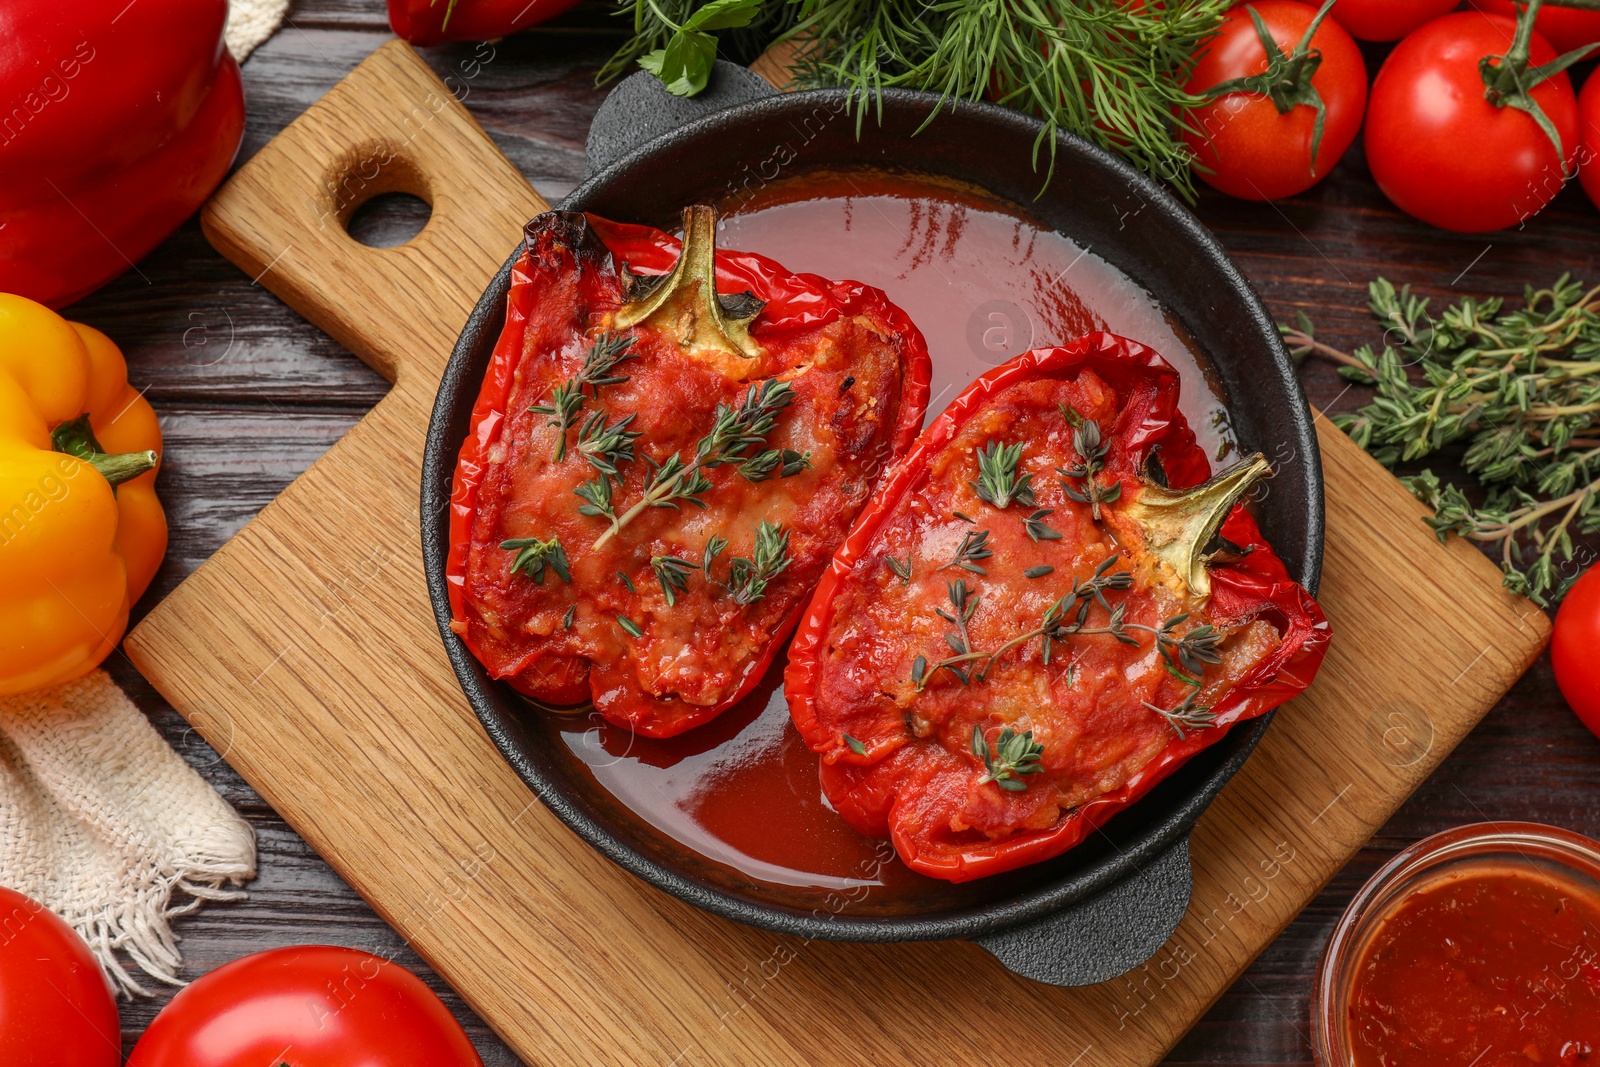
x=81, y=530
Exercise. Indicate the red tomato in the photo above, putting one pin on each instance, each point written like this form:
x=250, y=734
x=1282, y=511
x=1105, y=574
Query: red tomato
x=1575, y=649
x=1442, y=152
x=1251, y=150
x=1589, y=138
x=310, y=1006
x=1564, y=27
x=55, y=1006
x=1388, y=20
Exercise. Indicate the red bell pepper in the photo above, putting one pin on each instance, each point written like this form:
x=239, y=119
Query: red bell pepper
x=656, y=475
x=428, y=22
x=120, y=118
x=1027, y=629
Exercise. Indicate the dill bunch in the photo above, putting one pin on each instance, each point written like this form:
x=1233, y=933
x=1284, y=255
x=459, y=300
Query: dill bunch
x=1518, y=390
x=1109, y=71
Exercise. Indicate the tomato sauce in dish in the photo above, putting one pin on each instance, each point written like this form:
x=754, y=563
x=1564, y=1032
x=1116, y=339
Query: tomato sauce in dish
x=1487, y=966
x=981, y=280
x=743, y=790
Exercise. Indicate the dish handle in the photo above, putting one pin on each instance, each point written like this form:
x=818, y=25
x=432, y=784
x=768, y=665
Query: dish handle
x=640, y=109
x=1108, y=934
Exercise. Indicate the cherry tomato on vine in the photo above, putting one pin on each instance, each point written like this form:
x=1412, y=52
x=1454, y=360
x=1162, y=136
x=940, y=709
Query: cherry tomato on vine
x=1575, y=648
x=1287, y=83
x=1453, y=150
x=55, y=1006
x=310, y=1006
x=1589, y=138
x=1564, y=27
x=1388, y=20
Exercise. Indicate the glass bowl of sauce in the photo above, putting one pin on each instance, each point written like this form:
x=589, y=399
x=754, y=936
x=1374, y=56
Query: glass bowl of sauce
x=1477, y=947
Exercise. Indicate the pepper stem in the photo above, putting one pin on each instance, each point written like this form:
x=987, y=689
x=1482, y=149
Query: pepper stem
x=685, y=303
x=121, y=467
x=76, y=438
x=1179, y=524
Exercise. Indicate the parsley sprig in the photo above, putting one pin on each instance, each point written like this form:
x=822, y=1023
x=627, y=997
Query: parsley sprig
x=599, y=368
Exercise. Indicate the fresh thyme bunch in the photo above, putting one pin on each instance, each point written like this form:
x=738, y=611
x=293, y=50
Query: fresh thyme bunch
x=1107, y=70
x=1521, y=389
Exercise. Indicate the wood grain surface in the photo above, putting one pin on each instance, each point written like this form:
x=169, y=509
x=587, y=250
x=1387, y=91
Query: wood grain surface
x=307, y=643
x=250, y=394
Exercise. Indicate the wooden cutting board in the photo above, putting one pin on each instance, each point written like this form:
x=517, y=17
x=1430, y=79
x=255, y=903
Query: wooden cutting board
x=305, y=651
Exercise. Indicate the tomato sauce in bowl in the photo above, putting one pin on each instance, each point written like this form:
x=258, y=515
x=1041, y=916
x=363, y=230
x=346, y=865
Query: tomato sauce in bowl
x=1478, y=947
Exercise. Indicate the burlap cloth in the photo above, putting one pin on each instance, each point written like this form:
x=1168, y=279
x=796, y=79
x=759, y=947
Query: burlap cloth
x=250, y=22
x=105, y=825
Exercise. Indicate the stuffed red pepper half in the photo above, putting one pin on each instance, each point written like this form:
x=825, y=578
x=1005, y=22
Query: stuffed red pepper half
x=669, y=445
x=1048, y=608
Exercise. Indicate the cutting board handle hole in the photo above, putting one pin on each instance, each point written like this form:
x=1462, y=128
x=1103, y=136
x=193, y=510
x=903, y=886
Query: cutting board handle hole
x=379, y=194
x=388, y=219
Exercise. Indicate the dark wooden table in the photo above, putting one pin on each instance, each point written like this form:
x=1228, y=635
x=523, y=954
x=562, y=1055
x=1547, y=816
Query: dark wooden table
x=250, y=394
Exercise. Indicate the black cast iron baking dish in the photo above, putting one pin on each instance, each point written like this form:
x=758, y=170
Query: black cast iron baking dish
x=1109, y=904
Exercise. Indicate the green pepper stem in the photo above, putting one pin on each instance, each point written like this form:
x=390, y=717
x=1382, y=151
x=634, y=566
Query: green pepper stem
x=1178, y=525
x=121, y=467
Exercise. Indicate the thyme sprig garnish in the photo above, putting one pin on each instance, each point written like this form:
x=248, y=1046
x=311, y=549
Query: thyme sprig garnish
x=735, y=431
x=963, y=606
x=566, y=399
x=1038, y=529
x=1014, y=756
x=1091, y=448
x=901, y=567
x=596, y=492
x=1191, y=651
x=1000, y=478
x=533, y=556
x=748, y=577
x=1070, y=614
x=1187, y=715
x=1519, y=388
x=974, y=546
x=605, y=447
x=1063, y=619
x=673, y=574
x=714, y=546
